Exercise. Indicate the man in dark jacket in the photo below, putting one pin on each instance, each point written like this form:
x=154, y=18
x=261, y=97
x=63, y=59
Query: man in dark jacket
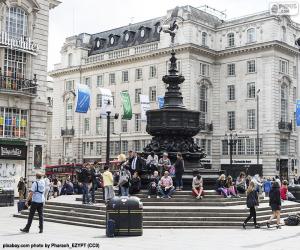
x=136, y=164
x=94, y=177
x=84, y=182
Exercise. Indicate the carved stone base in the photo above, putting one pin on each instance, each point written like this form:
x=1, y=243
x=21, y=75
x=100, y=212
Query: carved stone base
x=172, y=145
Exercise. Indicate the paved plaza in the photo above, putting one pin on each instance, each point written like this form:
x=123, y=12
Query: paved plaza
x=286, y=238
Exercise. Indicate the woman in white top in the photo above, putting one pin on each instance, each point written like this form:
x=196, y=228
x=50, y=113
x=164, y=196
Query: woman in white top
x=197, y=187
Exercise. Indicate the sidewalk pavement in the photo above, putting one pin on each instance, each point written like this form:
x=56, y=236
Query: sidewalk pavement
x=189, y=239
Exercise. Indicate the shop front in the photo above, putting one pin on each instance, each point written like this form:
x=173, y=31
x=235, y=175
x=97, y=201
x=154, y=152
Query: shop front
x=12, y=165
x=248, y=166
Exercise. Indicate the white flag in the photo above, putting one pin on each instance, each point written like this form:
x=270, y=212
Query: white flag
x=145, y=105
x=106, y=97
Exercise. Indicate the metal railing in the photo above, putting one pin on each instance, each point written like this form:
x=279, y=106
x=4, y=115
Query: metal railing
x=67, y=132
x=285, y=126
x=16, y=84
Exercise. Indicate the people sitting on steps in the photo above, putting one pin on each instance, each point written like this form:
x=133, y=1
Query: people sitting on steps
x=165, y=186
x=152, y=162
x=153, y=185
x=164, y=164
x=221, y=186
x=241, y=184
x=231, y=188
x=135, y=184
x=197, y=187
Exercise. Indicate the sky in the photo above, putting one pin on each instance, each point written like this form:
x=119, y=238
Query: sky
x=73, y=17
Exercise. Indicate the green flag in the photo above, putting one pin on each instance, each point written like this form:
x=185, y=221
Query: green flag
x=126, y=106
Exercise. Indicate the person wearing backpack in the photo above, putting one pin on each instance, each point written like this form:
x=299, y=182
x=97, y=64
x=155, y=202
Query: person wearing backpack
x=124, y=180
x=275, y=204
x=252, y=202
x=37, y=198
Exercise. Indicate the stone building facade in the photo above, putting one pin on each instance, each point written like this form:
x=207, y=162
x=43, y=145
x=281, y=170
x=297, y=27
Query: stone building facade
x=224, y=62
x=23, y=85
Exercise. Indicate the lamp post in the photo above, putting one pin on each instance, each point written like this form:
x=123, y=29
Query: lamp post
x=257, y=125
x=231, y=140
x=108, y=112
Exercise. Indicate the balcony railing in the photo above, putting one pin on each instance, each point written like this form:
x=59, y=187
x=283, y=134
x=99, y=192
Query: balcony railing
x=16, y=85
x=285, y=126
x=208, y=127
x=67, y=132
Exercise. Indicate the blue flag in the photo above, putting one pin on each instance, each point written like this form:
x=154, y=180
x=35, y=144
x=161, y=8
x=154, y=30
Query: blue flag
x=161, y=101
x=83, y=98
x=298, y=113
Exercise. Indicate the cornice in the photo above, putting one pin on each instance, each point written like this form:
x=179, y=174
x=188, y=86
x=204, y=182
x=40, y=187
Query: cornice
x=189, y=47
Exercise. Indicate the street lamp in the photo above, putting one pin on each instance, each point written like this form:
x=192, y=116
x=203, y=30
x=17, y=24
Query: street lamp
x=108, y=112
x=257, y=125
x=231, y=140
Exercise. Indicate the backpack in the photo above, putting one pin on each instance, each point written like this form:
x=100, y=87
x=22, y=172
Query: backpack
x=124, y=177
x=110, y=228
x=292, y=220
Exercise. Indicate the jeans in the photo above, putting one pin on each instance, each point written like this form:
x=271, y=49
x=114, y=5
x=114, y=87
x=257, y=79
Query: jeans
x=85, y=193
x=124, y=191
x=178, y=179
x=252, y=214
x=167, y=192
x=39, y=207
x=223, y=191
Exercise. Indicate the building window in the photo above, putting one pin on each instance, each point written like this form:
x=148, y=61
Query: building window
x=139, y=74
x=203, y=104
x=294, y=94
x=283, y=66
x=284, y=104
x=99, y=100
x=231, y=120
x=251, y=119
x=112, y=79
x=250, y=146
x=283, y=34
x=251, y=90
x=204, y=69
x=88, y=81
x=241, y=146
x=231, y=92
x=113, y=96
x=137, y=122
x=15, y=64
x=230, y=39
x=100, y=81
x=86, y=126
x=16, y=22
x=283, y=146
x=224, y=147
x=69, y=85
x=13, y=123
x=124, y=147
x=294, y=71
x=137, y=98
x=69, y=113
x=231, y=69
x=152, y=94
x=152, y=72
x=70, y=59
x=208, y=148
x=137, y=146
x=251, y=35
x=98, y=148
x=112, y=126
x=204, y=38
x=251, y=66
x=260, y=146
x=124, y=126
x=125, y=76
x=98, y=126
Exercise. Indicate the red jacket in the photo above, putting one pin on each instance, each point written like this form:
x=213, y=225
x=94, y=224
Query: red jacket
x=283, y=191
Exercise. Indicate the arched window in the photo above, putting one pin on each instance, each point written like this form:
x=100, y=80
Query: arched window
x=230, y=39
x=203, y=104
x=69, y=113
x=251, y=35
x=16, y=22
x=284, y=103
x=204, y=38
x=283, y=34
x=70, y=59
